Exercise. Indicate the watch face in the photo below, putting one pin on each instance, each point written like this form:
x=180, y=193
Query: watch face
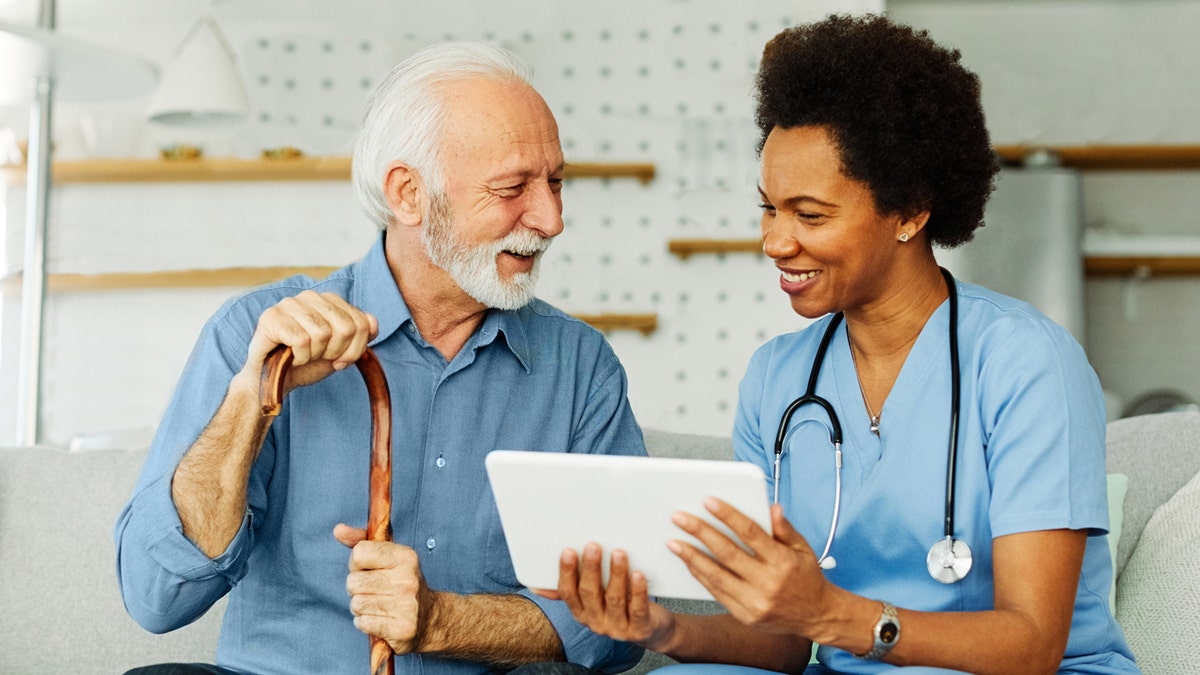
x=888, y=632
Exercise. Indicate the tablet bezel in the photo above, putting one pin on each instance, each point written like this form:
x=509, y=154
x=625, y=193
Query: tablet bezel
x=551, y=501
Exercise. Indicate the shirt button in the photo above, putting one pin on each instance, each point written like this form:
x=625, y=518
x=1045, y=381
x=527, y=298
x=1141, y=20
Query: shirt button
x=441, y=462
x=430, y=543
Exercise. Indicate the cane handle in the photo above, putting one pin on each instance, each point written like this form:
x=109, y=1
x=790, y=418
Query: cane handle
x=379, y=511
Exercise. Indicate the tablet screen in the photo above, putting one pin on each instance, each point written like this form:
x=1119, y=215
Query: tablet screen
x=551, y=501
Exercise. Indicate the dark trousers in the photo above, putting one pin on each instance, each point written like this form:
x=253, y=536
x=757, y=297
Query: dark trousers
x=549, y=668
x=180, y=669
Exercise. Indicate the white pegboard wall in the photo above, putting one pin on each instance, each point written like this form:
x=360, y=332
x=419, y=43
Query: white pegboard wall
x=307, y=90
x=666, y=82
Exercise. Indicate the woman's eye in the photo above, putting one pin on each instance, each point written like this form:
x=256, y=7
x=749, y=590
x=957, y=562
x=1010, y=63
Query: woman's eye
x=766, y=207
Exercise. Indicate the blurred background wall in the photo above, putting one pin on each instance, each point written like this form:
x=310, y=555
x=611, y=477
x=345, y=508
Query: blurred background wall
x=665, y=82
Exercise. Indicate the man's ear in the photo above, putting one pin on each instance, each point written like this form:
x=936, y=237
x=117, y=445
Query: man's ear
x=405, y=194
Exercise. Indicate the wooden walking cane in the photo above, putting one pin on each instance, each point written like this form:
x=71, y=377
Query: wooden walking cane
x=379, y=511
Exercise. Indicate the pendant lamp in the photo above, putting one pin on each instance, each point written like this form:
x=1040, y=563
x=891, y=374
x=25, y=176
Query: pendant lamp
x=201, y=86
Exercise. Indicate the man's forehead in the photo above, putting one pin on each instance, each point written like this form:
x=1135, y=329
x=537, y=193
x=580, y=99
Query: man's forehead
x=505, y=122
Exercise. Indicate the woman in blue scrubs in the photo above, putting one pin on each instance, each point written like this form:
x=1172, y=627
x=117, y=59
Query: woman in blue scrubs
x=874, y=150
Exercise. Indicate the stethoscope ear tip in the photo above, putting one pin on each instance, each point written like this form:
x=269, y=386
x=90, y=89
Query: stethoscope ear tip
x=827, y=563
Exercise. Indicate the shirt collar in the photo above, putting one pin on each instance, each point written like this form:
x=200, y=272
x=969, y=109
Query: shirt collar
x=376, y=292
x=511, y=325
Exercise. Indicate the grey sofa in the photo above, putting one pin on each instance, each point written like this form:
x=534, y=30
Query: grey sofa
x=60, y=610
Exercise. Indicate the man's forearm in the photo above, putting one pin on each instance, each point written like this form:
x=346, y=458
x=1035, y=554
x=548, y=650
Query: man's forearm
x=504, y=630
x=210, y=484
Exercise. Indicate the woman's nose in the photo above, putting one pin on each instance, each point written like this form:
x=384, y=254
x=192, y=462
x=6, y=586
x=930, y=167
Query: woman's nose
x=779, y=245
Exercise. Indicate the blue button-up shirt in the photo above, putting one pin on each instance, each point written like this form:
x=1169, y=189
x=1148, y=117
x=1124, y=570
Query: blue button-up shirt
x=530, y=379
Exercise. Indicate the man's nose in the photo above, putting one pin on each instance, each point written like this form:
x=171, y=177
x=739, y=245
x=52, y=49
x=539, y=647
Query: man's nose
x=544, y=212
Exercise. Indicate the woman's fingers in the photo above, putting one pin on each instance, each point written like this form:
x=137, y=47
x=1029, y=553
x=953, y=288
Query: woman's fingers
x=729, y=552
x=763, y=586
x=591, y=580
x=568, y=581
x=620, y=608
x=784, y=533
x=617, y=593
x=726, y=586
x=639, y=599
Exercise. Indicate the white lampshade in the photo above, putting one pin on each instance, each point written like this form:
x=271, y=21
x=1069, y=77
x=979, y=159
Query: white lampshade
x=201, y=84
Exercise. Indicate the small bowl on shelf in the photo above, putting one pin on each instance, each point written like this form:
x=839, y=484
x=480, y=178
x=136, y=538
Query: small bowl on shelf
x=175, y=153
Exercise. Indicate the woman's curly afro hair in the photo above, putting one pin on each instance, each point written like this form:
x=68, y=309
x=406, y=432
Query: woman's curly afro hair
x=904, y=112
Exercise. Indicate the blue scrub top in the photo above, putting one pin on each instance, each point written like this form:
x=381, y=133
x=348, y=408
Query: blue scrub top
x=1031, y=457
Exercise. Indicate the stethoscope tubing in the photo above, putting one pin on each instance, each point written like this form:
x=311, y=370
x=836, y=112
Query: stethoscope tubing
x=955, y=396
x=835, y=432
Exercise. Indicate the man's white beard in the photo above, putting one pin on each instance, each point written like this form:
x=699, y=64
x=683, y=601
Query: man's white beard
x=474, y=268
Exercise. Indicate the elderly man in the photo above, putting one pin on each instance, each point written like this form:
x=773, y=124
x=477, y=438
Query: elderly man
x=458, y=162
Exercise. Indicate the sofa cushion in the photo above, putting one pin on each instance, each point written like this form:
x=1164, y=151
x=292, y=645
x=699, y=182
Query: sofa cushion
x=1118, y=485
x=1158, y=595
x=59, y=590
x=694, y=446
x=1159, y=453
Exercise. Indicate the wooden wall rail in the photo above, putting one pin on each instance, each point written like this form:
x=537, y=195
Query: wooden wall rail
x=233, y=169
x=243, y=277
x=1157, y=266
x=685, y=248
x=1093, y=265
x=1109, y=157
x=1084, y=157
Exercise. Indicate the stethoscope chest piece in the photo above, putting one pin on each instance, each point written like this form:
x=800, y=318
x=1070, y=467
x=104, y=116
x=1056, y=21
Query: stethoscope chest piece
x=949, y=560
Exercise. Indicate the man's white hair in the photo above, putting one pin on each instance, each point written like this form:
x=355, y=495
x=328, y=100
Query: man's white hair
x=404, y=116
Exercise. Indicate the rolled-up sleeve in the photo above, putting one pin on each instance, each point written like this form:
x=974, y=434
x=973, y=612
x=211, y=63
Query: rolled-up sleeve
x=166, y=582
x=581, y=645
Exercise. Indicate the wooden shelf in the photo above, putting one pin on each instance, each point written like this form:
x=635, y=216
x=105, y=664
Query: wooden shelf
x=233, y=169
x=242, y=277
x=233, y=277
x=1109, y=157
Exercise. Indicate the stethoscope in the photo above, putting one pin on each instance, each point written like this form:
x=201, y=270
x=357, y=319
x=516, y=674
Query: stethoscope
x=949, y=559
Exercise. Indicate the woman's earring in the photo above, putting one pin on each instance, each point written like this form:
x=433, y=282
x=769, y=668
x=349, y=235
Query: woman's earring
x=903, y=237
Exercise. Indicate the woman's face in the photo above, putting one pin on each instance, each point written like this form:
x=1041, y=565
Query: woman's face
x=834, y=250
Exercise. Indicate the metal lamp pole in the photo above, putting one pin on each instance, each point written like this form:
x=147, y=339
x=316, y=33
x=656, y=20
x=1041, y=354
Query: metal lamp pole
x=33, y=273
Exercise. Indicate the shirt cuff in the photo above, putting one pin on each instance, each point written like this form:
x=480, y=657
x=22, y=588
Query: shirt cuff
x=582, y=646
x=161, y=533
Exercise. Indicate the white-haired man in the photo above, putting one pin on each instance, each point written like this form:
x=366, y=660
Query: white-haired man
x=458, y=162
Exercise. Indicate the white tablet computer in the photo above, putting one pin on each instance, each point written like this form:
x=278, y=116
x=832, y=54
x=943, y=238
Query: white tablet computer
x=551, y=501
